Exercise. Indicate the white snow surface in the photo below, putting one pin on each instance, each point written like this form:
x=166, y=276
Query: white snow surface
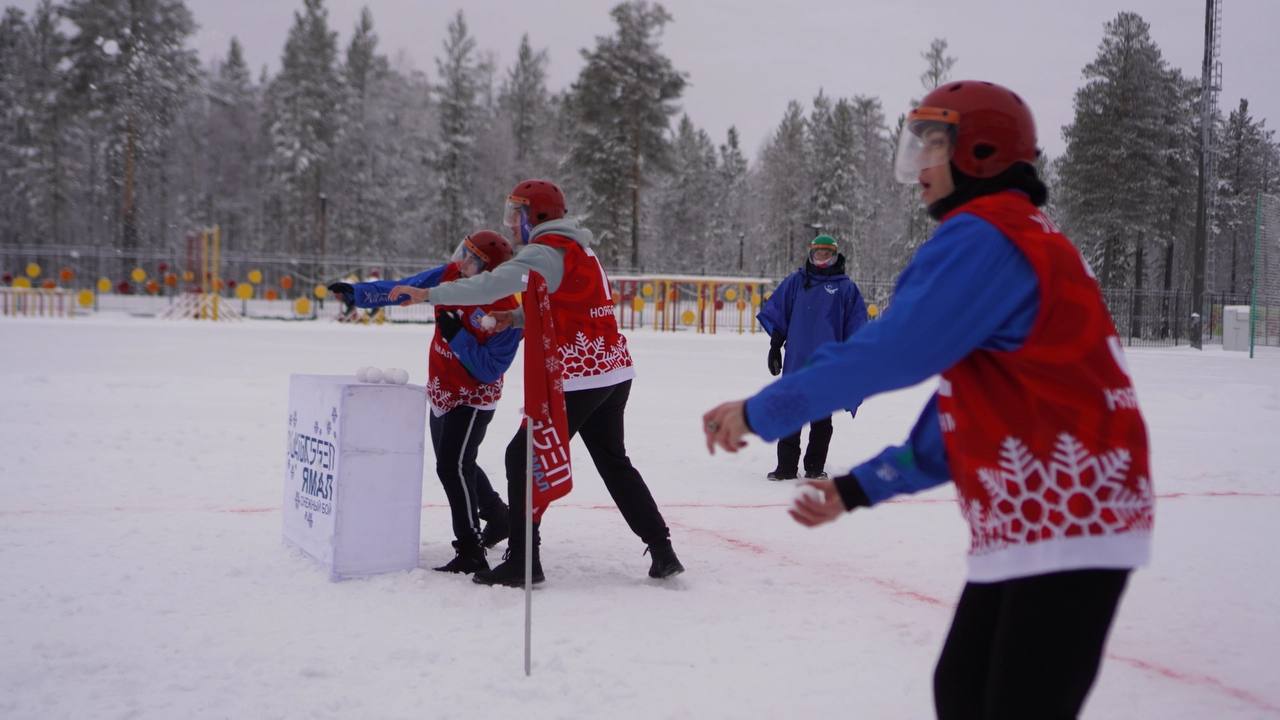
x=142, y=572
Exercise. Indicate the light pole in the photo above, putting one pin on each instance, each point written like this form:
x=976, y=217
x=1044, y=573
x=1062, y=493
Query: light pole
x=741, y=238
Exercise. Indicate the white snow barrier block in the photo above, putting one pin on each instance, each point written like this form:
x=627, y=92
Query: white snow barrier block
x=1235, y=327
x=353, y=473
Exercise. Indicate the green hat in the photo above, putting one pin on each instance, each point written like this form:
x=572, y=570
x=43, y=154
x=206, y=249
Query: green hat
x=823, y=241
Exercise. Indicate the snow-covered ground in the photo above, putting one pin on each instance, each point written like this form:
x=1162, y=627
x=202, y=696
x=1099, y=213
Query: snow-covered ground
x=142, y=572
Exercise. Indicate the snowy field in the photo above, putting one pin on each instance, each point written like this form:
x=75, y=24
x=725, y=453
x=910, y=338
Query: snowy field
x=142, y=573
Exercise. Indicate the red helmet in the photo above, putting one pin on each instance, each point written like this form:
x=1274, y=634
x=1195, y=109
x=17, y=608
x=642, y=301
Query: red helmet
x=541, y=199
x=481, y=250
x=992, y=127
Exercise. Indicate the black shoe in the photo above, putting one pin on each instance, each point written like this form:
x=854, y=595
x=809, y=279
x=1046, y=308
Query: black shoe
x=496, y=529
x=814, y=475
x=468, y=560
x=510, y=572
x=778, y=475
x=665, y=563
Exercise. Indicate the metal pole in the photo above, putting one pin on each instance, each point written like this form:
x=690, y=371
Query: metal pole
x=1253, y=291
x=528, y=546
x=1202, y=182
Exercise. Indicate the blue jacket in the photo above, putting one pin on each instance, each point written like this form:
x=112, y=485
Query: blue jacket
x=485, y=361
x=813, y=306
x=968, y=287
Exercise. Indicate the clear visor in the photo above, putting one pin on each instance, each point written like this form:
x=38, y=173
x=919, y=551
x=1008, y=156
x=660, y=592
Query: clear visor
x=469, y=260
x=822, y=256
x=513, y=215
x=926, y=140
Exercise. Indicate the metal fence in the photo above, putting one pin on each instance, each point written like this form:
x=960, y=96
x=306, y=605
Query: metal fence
x=1162, y=319
x=1142, y=318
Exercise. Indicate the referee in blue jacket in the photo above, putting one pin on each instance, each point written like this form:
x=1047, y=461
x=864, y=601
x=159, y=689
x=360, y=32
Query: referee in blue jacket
x=814, y=305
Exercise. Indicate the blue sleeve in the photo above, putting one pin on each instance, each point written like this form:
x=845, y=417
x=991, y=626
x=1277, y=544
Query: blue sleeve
x=775, y=314
x=856, y=316
x=486, y=362
x=375, y=294
x=967, y=288
x=918, y=465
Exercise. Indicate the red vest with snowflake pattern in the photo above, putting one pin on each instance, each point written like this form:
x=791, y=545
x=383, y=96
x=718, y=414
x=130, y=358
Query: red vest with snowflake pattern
x=449, y=384
x=594, y=352
x=1046, y=444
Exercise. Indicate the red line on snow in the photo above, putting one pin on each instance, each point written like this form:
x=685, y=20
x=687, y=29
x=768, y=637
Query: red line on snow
x=1200, y=680
x=899, y=590
x=892, y=586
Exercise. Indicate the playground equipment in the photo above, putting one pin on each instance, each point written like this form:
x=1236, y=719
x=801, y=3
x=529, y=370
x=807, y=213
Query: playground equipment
x=689, y=302
x=204, y=301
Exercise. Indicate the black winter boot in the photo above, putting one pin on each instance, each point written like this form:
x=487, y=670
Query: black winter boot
x=510, y=572
x=665, y=563
x=468, y=560
x=779, y=474
x=496, y=528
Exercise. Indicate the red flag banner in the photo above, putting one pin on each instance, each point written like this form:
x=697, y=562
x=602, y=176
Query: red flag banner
x=544, y=399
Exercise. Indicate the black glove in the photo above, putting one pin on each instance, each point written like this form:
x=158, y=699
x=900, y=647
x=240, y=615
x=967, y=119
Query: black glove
x=449, y=324
x=775, y=354
x=345, y=293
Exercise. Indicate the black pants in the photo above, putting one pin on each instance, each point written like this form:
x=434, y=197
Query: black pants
x=596, y=415
x=1027, y=648
x=456, y=437
x=815, y=455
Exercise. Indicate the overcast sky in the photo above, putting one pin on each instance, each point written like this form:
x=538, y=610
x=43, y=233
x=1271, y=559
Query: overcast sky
x=746, y=59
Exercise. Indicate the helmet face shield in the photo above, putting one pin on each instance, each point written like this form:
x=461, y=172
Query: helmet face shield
x=515, y=217
x=822, y=256
x=469, y=259
x=927, y=140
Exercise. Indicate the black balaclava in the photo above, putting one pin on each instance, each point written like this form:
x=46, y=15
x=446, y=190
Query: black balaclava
x=1018, y=176
x=814, y=274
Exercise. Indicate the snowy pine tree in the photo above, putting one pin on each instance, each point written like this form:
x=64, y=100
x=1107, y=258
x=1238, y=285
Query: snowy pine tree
x=131, y=72
x=458, y=94
x=1248, y=149
x=621, y=105
x=686, y=200
x=304, y=128
x=526, y=105
x=786, y=186
x=1112, y=171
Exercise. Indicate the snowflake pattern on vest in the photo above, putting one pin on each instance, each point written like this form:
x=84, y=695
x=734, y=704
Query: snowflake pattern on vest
x=481, y=396
x=584, y=357
x=1076, y=494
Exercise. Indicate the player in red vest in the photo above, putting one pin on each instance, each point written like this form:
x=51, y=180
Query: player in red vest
x=597, y=368
x=467, y=361
x=1035, y=419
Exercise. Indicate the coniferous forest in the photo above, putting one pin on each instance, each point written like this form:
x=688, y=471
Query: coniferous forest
x=115, y=134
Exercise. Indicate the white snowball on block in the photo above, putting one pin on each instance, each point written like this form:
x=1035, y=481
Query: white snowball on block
x=395, y=376
x=362, y=374
x=373, y=375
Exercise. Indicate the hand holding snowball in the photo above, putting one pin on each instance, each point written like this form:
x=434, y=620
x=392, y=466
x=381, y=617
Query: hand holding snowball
x=817, y=503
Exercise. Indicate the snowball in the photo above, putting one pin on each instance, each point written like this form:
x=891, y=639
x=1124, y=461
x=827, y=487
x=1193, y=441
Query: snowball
x=373, y=375
x=809, y=492
x=488, y=322
x=396, y=376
